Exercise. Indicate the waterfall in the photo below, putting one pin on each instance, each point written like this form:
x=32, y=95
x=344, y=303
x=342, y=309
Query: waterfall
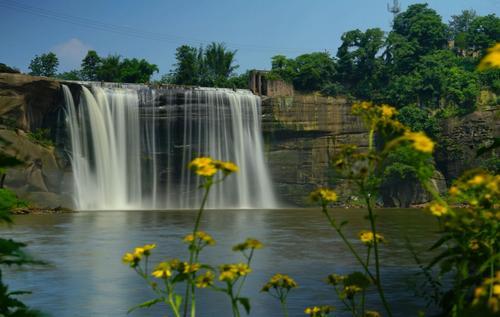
x=130, y=146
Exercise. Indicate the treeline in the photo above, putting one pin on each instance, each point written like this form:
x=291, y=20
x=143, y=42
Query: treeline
x=95, y=68
x=422, y=62
x=210, y=66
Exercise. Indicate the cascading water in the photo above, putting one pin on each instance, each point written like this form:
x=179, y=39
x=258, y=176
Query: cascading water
x=130, y=146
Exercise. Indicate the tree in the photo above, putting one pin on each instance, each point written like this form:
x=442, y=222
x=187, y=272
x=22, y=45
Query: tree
x=187, y=68
x=44, y=65
x=307, y=72
x=460, y=26
x=212, y=66
x=283, y=67
x=218, y=64
x=416, y=32
x=136, y=71
x=314, y=71
x=90, y=66
x=483, y=32
x=71, y=75
x=359, y=64
x=109, y=69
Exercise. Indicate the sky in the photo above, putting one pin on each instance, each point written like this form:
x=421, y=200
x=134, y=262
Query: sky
x=153, y=29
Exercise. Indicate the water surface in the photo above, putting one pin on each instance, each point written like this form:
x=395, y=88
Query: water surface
x=86, y=277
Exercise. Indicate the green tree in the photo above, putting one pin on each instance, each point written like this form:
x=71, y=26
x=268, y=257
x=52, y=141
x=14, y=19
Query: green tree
x=483, y=32
x=416, y=32
x=359, y=65
x=314, y=71
x=218, y=64
x=70, y=75
x=90, y=66
x=109, y=69
x=307, y=72
x=283, y=67
x=187, y=68
x=44, y=65
x=419, y=119
x=460, y=26
x=136, y=71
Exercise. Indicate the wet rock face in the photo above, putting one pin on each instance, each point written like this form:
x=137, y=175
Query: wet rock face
x=301, y=134
x=463, y=137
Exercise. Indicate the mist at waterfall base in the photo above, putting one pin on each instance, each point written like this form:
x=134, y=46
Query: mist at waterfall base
x=130, y=146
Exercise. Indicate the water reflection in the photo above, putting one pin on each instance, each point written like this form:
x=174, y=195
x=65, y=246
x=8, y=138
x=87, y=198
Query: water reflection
x=86, y=276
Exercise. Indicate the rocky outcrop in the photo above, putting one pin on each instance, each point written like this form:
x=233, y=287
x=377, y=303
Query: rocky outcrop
x=41, y=179
x=463, y=137
x=301, y=134
x=303, y=131
x=28, y=103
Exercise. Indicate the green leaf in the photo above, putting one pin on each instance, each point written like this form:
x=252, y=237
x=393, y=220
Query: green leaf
x=245, y=302
x=146, y=304
x=178, y=301
x=180, y=278
x=358, y=279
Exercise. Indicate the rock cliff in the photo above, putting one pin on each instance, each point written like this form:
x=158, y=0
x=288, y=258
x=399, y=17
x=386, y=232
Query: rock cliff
x=301, y=133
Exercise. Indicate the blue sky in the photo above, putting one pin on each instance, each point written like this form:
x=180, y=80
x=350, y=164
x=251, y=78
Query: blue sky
x=258, y=29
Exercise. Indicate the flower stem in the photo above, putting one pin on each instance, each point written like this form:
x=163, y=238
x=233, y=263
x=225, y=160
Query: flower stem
x=192, y=254
x=283, y=307
x=378, y=282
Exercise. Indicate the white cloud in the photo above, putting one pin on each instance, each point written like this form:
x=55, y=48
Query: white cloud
x=70, y=53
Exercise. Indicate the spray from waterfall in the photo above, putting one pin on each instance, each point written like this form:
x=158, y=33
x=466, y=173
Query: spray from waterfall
x=130, y=146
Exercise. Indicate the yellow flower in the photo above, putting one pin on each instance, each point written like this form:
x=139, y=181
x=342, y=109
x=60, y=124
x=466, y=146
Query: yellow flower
x=420, y=141
x=203, y=166
x=351, y=290
x=200, y=162
x=474, y=245
x=189, y=238
x=131, y=258
x=324, y=195
x=177, y=265
x=280, y=281
x=228, y=272
x=335, y=279
x=162, y=270
x=438, y=209
x=242, y=269
x=454, y=191
x=227, y=276
x=496, y=289
x=312, y=310
x=477, y=180
x=226, y=167
x=206, y=171
x=319, y=311
x=492, y=59
x=371, y=313
x=388, y=111
x=191, y=268
x=205, y=237
x=250, y=243
x=367, y=237
x=205, y=280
